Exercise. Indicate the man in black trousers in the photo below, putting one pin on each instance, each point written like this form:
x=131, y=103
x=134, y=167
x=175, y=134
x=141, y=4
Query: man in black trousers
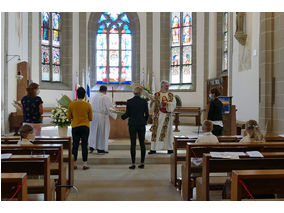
x=137, y=112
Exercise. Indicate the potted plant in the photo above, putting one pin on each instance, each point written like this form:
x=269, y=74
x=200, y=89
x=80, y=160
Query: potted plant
x=59, y=118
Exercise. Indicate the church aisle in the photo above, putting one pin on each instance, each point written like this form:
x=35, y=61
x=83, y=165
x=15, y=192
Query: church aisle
x=118, y=183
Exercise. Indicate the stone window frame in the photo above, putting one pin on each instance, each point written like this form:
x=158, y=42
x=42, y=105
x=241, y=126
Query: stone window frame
x=92, y=32
x=65, y=55
x=165, y=37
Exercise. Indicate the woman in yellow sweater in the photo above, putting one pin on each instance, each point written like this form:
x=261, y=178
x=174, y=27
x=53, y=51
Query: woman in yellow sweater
x=80, y=112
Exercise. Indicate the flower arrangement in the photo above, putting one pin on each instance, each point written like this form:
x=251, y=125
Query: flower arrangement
x=147, y=93
x=59, y=116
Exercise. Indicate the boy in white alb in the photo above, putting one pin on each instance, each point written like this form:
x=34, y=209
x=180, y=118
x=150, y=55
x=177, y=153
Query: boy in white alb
x=208, y=137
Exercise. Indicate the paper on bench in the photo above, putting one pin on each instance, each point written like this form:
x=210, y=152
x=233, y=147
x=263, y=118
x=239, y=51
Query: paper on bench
x=229, y=155
x=255, y=154
x=5, y=156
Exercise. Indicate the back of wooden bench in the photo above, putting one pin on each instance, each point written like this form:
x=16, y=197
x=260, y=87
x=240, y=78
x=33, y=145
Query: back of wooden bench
x=197, y=150
x=244, y=163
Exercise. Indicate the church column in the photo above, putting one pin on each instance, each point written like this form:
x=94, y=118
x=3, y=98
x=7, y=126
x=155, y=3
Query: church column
x=266, y=72
x=212, y=46
x=75, y=50
x=156, y=47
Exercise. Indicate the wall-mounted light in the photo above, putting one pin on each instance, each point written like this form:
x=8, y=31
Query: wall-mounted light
x=13, y=56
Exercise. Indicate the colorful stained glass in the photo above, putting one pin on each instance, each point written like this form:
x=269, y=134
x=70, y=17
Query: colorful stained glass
x=126, y=42
x=101, y=41
x=44, y=55
x=225, y=41
x=125, y=18
x=55, y=21
x=107, y=24
x=113, y=41
x=126, y=29
x=56, y=56
x=113, y=15
x=175, y=75
x=45, y=19
x=102, y=29
x=175, y=56
x=225, y=61
x=101, y=75
x=101, y=58
x=187, y=55
x=119, y=24
x=102, y=18
x=187, y=36
x=55, y=38
x=125, y=58
x=175, y=20
x=187, y=19
x=45, y=72
x=113, y=29
x=226, y=22
x=113, y=58
x=186, y=74
x=176, y=37
x=126, y=75
x=56, y=73
x=45, y=36
x=113, y=75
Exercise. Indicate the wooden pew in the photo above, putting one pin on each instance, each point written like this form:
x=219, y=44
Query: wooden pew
x=197, y=150
x=254, y=180
x=67, y=145
x=32, y=165
x=9, y=180
x=180, y=144
x=56, y=158
x=270, y=161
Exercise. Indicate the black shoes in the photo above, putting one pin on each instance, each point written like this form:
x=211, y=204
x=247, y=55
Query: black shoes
x=141, y=166
x=102, y=151
x=152, y=152
x=91, y=150
x=170, y=151
x=132, y=167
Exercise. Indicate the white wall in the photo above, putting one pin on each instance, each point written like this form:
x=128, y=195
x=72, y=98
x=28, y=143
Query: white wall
x=245, y=83
x=2, y=72
x=212, y=48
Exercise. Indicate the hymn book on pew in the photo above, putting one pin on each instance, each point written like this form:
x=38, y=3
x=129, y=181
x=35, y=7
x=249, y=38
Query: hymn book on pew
x=6, y=156
x=228, y=155
x=254, y=154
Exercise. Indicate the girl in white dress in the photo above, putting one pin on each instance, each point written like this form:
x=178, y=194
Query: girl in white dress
x=253, y=133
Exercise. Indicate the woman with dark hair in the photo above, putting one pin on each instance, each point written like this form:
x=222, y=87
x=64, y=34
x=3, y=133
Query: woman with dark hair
x=80, y=112
x=215, y=112
x=32, y=108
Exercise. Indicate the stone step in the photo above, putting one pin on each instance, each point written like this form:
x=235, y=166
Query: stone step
x=126, y=146
x=115, y=157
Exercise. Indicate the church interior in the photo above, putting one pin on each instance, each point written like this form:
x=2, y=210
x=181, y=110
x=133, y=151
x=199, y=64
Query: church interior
x=239, y=53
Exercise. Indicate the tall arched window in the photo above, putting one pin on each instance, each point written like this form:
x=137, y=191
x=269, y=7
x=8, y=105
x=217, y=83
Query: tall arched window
x=114, y=49
x=181, y=48
x=50, y=46
x=225, y=43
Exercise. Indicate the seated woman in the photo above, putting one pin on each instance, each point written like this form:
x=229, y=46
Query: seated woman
x=253, y=133
x=27, y=135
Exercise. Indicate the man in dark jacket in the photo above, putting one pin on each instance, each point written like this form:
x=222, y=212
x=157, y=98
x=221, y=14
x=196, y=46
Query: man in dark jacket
x=137, y=112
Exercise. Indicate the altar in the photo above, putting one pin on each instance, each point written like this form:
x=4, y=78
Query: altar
x=119, y=127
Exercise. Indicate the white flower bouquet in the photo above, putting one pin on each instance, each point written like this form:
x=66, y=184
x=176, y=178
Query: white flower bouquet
x=59, y=116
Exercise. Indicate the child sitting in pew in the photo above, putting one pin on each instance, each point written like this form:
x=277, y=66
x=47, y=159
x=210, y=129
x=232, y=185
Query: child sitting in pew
x=27, y=135
x=208, y=137
x=253, y=133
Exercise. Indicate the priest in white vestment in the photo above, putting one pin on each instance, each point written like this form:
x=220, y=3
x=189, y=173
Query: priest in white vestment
x=164, y=104
x=100, y=126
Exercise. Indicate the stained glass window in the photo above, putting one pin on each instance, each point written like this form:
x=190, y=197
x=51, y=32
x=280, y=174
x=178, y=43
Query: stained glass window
x=114, y=48
x=181, y=48
x=50, y=46
x=225, y=42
